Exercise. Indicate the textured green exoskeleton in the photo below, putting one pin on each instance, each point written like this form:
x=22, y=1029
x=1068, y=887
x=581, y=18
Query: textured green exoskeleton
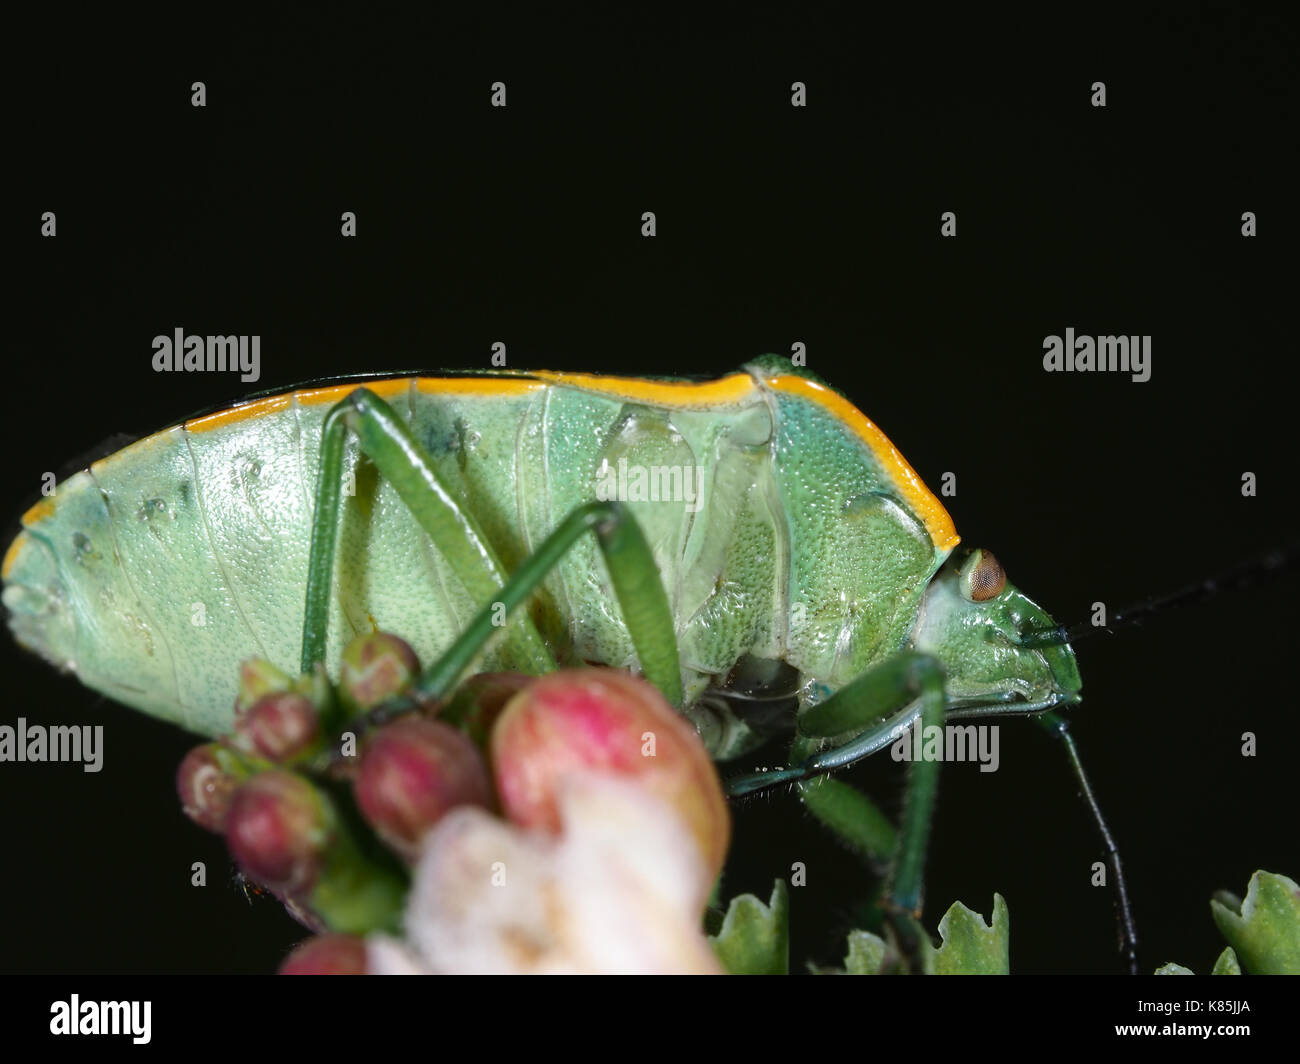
x=789, y=538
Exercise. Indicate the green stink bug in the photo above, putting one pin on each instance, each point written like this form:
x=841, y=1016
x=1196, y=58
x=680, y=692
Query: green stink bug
x=752, y=531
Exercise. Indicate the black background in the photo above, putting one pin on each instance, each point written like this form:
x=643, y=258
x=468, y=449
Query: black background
x=775, y=225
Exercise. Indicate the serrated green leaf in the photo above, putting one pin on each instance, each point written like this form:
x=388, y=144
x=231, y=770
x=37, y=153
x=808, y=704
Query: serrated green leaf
x=970, y=946
x=1173, y=969
x=866, y=955
x=1227, y=963
x=755, y=938
x=1266, y=931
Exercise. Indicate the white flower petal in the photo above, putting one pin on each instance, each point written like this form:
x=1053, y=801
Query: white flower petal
x=617, y=892
x=636, y=876
x=389, y=956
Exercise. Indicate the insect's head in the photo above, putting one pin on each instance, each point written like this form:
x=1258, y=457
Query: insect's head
x=973, y=621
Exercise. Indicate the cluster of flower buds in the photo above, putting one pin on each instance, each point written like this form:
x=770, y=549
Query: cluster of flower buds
x=306, y=774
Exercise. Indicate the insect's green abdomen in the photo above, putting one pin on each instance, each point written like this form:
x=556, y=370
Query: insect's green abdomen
x=777, y=530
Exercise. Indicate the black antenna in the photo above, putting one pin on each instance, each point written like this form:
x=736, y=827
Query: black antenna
x=1236, y=579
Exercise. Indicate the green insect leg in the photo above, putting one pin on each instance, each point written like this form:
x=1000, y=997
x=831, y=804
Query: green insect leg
x=386, y=440
x=876, y=708
x=1056, y=725
x=853, y=817
x=637, y=588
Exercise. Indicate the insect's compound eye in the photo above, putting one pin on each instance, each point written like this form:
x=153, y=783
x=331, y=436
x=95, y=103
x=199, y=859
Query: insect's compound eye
x=982, y=577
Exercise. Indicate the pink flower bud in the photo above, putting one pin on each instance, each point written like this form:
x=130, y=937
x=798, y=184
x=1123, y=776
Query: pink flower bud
x=206, y=782
x=607, y=721
x=278, y=727
x=374, y=668
x=333, y=954
x=258, y=677
x=278, y=830
x=411, y=773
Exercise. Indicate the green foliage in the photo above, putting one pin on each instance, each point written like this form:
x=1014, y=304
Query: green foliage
x=970, y=946
x=1263, y=931
x=867, y=954
x=755, y=938
x=1263, y=934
